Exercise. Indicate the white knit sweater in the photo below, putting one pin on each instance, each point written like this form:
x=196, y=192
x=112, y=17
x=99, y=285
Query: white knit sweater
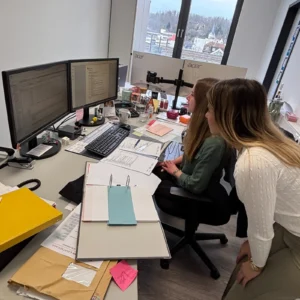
x=270, y=192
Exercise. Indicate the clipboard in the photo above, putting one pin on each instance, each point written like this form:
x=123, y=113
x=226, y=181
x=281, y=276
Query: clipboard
x=98, y=241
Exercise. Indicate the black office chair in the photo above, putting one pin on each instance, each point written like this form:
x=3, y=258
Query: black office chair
x=203, y=210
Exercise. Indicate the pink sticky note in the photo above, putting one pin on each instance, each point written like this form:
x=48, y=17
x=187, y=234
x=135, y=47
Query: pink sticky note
x=123, y=274
x=79, y=114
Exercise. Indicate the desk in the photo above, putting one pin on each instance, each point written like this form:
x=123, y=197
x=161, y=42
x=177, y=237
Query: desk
x=54, y=172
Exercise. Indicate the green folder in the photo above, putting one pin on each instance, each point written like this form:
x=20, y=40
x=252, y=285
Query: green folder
x=120, y=206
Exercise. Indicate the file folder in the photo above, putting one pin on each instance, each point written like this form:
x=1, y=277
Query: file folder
x=22, y=215
x=120, y=207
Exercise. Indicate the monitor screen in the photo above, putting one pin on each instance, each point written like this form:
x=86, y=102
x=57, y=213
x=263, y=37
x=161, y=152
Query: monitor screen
x=93, y=81
x=36, y=97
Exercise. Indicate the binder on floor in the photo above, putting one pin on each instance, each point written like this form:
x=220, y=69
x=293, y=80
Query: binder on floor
x=22, y=215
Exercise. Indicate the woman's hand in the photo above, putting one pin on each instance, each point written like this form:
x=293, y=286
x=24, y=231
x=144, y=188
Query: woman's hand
x=246, y=273
x=244, y=251
x=160, y=164
x=170, y=167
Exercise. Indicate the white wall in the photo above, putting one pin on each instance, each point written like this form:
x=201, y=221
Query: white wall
x=36, y=32
x=290, y=79
x=273, y=36
x=251, y=37
x=121, y=29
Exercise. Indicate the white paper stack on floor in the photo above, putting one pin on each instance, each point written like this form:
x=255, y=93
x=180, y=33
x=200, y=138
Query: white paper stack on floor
x=99, y=174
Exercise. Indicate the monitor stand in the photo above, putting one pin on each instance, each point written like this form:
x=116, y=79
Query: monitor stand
x=56, y=146
x=87, y=119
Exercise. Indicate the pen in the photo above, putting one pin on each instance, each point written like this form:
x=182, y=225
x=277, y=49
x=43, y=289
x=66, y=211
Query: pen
x=136, y=143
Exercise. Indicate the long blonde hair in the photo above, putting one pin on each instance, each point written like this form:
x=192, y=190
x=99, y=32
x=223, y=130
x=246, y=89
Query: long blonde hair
x=241, y=113
x=198, y=128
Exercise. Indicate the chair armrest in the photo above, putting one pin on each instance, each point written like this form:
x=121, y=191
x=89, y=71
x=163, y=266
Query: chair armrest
x=180, y=192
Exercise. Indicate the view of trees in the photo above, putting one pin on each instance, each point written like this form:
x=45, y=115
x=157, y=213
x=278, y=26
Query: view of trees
x=198, y=26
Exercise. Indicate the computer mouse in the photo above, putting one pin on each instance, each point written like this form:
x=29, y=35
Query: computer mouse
x=125, y=126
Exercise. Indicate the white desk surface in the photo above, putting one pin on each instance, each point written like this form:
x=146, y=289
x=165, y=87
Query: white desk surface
x=54, y=172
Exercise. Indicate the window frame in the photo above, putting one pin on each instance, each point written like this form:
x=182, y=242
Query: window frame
x=280, y=46
x=183, y=22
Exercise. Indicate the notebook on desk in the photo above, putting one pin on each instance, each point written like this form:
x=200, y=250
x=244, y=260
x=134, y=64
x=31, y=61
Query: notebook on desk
x=22, y=215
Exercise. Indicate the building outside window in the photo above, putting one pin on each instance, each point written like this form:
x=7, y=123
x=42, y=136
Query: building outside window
x=188, y=29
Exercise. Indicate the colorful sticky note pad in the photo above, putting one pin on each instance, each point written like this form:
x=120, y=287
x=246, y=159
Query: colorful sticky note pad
x=123, y=274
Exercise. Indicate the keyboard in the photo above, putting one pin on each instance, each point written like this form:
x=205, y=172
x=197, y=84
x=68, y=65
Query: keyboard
x=108, y=141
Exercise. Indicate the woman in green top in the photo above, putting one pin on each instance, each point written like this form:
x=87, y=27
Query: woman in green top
x=200, y=166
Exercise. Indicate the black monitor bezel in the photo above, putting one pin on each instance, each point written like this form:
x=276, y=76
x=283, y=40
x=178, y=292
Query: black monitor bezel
x=99, y=101
x=8, y=100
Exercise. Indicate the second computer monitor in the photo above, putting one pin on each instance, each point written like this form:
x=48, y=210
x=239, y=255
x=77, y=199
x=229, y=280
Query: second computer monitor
x=93, y=81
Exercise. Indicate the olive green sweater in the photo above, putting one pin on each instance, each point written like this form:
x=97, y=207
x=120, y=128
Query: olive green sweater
x=204, y=167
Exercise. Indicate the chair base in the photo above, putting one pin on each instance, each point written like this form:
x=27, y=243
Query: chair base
x=188, y=238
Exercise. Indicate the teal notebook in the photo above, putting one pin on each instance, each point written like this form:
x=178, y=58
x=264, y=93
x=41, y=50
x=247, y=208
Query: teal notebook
x=120, y=206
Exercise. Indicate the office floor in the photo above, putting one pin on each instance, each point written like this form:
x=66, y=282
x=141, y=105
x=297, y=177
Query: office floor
x=188, y=277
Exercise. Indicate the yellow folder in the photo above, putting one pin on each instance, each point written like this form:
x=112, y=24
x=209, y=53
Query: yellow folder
x=22, y=215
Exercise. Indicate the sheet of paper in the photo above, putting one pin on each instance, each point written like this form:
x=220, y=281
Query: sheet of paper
x=79, y=114
x=141, y=147
x=71, y=206
x=99, y=174
x=63, y=240
x=137, y=133
x=32, y=294
x=79, y=146
x=95, y=204
x=163, y=139
x=39, y=150
x=159, y=129
x=177, y=129
x=131, y=161
x=123, y=274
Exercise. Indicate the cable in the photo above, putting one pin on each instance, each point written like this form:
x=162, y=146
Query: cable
x=37, y=181
x=64, y=121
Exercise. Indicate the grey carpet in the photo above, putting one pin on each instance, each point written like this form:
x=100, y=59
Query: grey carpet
x=188, y=278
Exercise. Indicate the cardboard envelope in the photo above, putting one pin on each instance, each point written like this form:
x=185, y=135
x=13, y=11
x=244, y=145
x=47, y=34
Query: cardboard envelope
x=43, y=273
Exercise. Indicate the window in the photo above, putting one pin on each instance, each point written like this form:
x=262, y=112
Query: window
x=189, y=29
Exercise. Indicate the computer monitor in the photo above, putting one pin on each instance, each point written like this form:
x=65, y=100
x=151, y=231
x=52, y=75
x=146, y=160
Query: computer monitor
x=36, y=98
x=93, y=81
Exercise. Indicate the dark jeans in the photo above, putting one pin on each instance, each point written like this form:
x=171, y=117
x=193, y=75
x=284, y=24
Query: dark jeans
x=212, y=212
x=170, y=204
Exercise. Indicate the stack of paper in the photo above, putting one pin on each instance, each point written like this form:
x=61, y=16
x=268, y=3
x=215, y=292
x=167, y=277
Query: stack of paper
x=99, y=174
x=131, y=161
x=159, y=129
x=63, y=240
x=176, y=131
x=141, y=147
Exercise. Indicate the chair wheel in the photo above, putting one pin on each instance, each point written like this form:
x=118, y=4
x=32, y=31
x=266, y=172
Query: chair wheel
x=224, y=241
x=164, y=264
x=215, y=274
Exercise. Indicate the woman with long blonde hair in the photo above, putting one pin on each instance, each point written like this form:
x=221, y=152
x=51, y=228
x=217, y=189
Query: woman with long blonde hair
x=267, y=176
x=200, y=165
